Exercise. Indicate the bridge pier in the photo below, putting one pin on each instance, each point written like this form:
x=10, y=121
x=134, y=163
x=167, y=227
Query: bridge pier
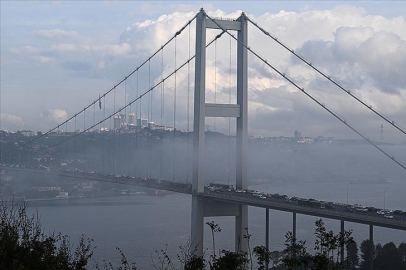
x=203, y=208
x=267, y=235
x=294, y=225
x=371, y=238
x=342, y=233
x=197, y=225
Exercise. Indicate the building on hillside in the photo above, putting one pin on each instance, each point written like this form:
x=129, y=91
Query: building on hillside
x=131, y=119
x=117, y=121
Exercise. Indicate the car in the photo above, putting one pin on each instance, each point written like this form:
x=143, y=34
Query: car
x=388, y=216
x=381, y=212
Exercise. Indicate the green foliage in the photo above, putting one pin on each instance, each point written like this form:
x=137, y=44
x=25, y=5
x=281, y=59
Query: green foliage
x=124, y=264
x=24, y=245
x=366, y=248
x=195, y=263
x=327, y=246
x=294, y=254
x=352, y=260
x=384, y=257
x=402, y=250
x=263, y=255
x=389, y=258
x=227, y=259
x=188, y=260
x=230, y=260
x=275, y=257
x=214, y=228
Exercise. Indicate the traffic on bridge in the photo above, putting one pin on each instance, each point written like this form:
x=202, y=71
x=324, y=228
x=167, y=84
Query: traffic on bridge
x=395, y=219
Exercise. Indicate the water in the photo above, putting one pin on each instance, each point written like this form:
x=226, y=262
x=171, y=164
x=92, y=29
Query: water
x=140, y=224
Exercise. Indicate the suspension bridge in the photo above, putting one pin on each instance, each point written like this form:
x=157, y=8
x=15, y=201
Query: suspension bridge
x=144, y=141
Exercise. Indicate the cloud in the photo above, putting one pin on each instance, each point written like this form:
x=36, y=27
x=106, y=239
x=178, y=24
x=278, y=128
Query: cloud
x=359, y=55
x=364, y=53
x=10, y=121
x=55, y=34
x=77, y=65
x=55, y=115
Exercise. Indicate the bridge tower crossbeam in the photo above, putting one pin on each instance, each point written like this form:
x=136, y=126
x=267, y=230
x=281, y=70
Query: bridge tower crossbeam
x=202, y=208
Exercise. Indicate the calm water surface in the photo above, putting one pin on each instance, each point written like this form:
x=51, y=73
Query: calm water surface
x=140, y=224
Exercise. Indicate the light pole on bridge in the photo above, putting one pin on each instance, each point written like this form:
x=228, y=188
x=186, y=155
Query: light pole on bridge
x=348, y=183
x=384, y=203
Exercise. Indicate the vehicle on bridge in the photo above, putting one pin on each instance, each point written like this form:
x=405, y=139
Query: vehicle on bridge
x=311, y=203
x=221, y=187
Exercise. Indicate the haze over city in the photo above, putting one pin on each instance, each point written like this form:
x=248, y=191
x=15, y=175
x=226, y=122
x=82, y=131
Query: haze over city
x=79, y=68
x=58, y=56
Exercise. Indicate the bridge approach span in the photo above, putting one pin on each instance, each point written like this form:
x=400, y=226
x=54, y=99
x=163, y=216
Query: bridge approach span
x=225, y=196
x=356, y=217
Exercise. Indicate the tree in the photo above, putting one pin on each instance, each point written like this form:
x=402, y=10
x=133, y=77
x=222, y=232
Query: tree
x=295, y=254
x=24, y=245
x=377, y=256
x=227, y=260
x=230, y=260
x=188, y=259
x=352, y=260
x=390, y=258
x=275, y=258
x=366, y=247
x=214, y=228
x=263, y=255
x=402, y=250
x=326, y=243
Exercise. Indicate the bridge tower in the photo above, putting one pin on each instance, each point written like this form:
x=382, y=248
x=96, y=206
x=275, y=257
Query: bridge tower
x=202, y=207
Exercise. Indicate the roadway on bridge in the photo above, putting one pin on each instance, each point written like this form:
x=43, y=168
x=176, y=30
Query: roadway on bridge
x=280, y=203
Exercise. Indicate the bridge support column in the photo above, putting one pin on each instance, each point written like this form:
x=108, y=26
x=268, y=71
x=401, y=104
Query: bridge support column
x=371, y=238
x=241, y=226
x=294, y=225
x=267, y=235
x=202, y=110
x=241, y=222
x=342, y=234
x=197, y=225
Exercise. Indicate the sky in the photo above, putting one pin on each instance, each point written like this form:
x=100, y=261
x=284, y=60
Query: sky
x=58, y=56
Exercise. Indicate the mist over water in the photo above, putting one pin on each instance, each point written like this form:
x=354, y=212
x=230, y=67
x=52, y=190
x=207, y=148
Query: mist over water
x=140, y=224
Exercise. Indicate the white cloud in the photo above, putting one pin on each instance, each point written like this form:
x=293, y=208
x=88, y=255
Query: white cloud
x=365, y=53
x=10, y=121
x=362, y=52
x=55, y=34
x=55, y=115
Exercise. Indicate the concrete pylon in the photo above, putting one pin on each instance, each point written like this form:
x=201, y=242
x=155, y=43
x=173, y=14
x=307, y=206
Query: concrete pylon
x=202, y=208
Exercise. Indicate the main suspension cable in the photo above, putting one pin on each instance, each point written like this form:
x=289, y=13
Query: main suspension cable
x=310, y=96
x=129, y=104
x=187, y=113
x=149, y=124
x=229, y=120
x=391, y=122
x=113, y=88
x=214, y=118
x=161, y=131
x=174, y=122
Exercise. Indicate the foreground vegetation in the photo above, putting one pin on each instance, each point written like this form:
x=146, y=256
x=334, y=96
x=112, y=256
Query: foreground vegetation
x=24, y=245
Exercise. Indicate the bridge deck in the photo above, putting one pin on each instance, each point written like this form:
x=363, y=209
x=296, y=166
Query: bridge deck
x=229, y=197
x=355, y=217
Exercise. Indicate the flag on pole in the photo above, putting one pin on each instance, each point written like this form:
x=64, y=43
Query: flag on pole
x=99, y=102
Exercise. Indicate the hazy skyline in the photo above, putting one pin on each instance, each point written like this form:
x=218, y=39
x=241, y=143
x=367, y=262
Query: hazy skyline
x=56, y=57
